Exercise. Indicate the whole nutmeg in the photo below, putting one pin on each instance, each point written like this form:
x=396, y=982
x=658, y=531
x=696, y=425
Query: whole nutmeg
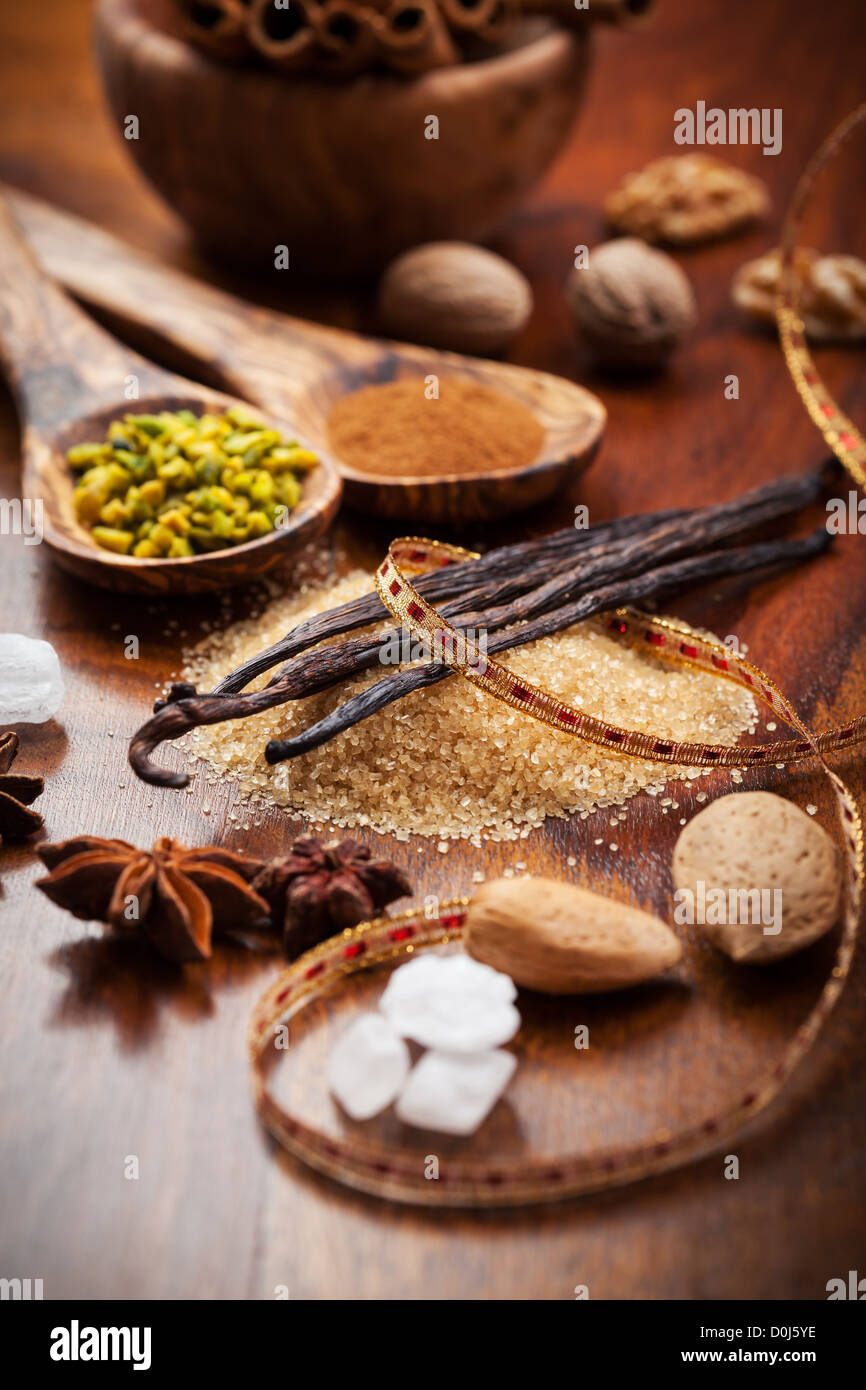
x=451, y=294
x=632, y=304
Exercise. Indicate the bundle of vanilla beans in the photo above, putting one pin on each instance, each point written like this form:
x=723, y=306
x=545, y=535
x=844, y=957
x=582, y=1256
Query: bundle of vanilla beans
x=515, y=593
x=345, y=37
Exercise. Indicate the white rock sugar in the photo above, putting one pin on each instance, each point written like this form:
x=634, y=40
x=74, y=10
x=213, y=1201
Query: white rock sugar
x=368, y=1066
x=454, y=1094
x=31, y=685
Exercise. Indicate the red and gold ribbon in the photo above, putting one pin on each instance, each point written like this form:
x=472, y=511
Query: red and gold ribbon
x=486, y=1184
x=840, y=432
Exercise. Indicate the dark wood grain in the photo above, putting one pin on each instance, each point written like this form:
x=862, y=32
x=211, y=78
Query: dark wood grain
x=107, y=1053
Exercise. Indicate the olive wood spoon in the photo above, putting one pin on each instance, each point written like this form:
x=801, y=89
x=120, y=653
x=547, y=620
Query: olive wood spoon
x=287, y=365
x=70, y=379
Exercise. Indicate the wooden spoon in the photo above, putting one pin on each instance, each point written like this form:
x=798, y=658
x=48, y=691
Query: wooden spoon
x=70, y=380
x=288, y=366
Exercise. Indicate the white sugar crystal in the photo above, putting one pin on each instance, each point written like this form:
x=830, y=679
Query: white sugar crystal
x=367, y=1066
x=429, y=972
x=453, y=1094
x=459, y=1023
x=31, y=686
x=451, y=1002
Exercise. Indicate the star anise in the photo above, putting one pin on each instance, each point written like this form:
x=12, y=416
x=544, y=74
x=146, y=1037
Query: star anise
x=178, y=897
x=16, y=793
x=320, y=888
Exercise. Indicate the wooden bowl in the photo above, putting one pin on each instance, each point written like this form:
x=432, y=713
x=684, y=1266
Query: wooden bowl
x=339, y=172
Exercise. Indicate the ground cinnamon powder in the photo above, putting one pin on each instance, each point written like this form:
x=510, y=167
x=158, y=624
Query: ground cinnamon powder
x=396, y=430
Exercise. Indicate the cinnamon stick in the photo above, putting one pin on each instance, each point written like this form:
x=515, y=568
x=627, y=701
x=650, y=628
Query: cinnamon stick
x=504, y=14
x=217, y=26
x=470, y=16
x=615, y=11
x=285, y=36
x=347, y=35
x=413, y=37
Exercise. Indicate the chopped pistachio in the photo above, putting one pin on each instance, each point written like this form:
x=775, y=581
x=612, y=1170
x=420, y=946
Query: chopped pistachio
x=83, y=455
x=153, y=425
x=112, y=539
x=153, y=491
x=145, y=550
x=174, y=484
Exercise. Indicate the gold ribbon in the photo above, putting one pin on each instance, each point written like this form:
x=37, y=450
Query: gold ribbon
x=840, y=432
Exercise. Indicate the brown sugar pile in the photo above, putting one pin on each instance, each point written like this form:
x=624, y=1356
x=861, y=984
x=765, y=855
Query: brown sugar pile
x=398, y=430
x=451, y=761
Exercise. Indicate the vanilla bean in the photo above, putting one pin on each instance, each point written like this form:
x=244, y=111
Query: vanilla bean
x=632, y=555
x=696, y=569
x=567, y=561
x=766, y=503
x=511, y=599
x=466, y=577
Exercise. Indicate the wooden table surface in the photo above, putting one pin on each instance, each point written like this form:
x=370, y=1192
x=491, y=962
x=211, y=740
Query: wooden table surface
x=106, y=1053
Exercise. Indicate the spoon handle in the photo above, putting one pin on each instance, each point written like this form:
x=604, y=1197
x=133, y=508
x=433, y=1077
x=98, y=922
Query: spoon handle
x=253, y=352
x=59, y=363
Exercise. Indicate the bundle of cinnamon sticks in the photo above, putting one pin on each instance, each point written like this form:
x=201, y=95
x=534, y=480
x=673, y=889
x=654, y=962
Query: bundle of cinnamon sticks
x=345, y=37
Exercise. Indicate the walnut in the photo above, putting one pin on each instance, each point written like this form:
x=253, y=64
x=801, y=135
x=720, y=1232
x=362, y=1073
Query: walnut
x=831, y=293
x=839, y=284
x=632, y=304
x=685, y=199
x=755, y=283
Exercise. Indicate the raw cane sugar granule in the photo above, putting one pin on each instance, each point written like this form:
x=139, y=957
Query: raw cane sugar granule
x=450, y=761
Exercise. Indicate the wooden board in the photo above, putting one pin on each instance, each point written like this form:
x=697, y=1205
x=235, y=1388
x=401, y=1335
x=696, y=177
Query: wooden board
x=106, y=1053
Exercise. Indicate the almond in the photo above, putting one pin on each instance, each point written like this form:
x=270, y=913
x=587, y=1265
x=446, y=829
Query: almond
x=560, y=939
